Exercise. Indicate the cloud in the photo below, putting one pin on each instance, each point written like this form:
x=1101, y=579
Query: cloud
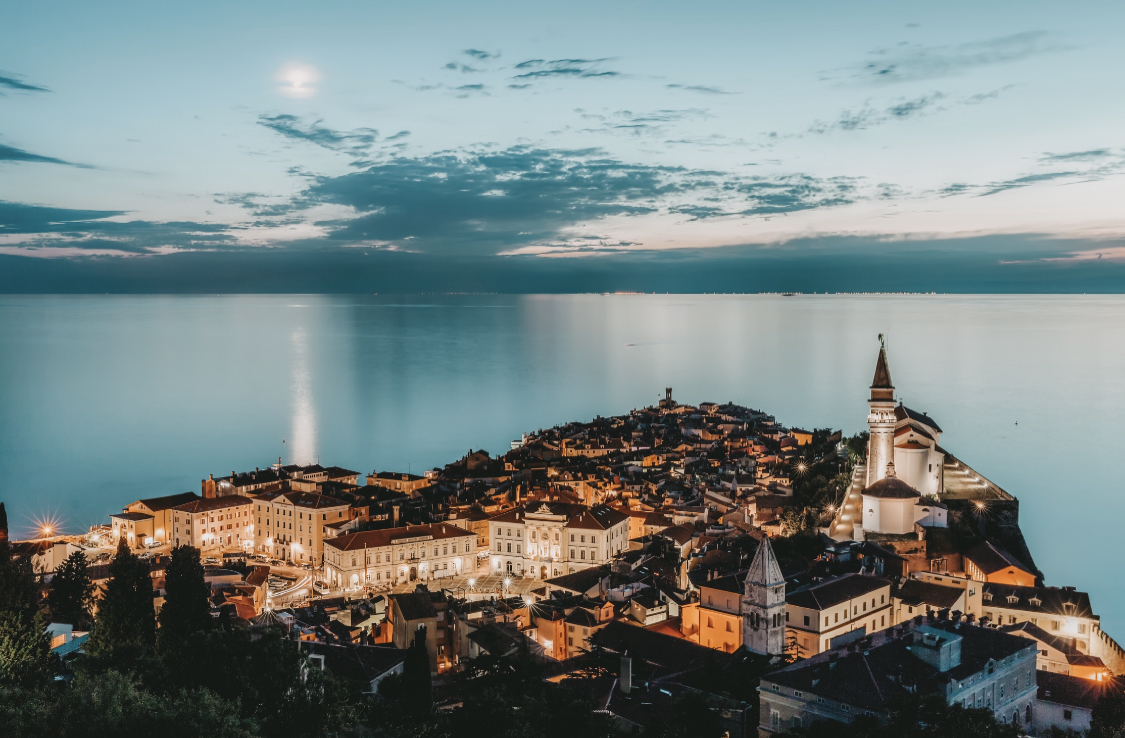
x=868, y=116
x=11, y=153
x=656, y=122
x=909, y=62
x=481, y=55
x=1091, y=155
x=467, y=90
x=459, y=67
x=982, y=97
x=13, y=82
x=356, y=142
x=705, y=89
x=1012, y=184
x=1102, y=163
x=45, y=229
x=486, y=201
x=574, y=68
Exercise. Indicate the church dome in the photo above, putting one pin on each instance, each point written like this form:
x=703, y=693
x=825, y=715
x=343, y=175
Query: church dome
x=891, y=487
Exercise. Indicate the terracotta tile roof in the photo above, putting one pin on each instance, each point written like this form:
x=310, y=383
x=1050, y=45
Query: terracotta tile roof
x=389, y=536
x=831, y=593
x=167, y=502
x=214, y=503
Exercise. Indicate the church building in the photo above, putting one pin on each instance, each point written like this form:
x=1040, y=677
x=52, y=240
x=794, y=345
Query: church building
x=905, y=470
x=763, y=604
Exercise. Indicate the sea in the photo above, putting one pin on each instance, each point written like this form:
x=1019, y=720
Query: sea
x=108, y=399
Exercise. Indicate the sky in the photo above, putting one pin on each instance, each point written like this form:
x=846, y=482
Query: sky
x=356, y=146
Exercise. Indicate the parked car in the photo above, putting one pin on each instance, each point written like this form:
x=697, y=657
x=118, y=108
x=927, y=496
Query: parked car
x=320, y=588
x=210, y=560
x=154, y=544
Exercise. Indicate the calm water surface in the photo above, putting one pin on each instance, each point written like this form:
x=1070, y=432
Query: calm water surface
x=104, y=400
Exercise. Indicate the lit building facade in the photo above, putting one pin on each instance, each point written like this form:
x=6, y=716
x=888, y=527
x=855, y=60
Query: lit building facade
x=396, y=555
x=292, y=525
x=550, y=539
x=214, y=523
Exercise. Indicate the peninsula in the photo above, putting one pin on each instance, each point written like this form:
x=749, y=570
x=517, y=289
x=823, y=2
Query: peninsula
x=699, y=568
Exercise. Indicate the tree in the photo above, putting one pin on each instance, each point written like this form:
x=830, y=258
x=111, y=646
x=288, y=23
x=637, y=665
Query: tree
x=416, y=680
x=25, y=651
x=1108, y=720
x=125, y=628
x=186, y=608
x=72, y=592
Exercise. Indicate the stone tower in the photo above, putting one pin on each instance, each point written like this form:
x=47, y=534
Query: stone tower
x=881, y=420
x=763, y=604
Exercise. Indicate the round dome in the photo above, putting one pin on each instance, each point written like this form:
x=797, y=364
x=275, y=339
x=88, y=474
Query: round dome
x=891, y=487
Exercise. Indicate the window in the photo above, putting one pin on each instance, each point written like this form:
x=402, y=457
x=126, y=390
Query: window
x=837, y=618
x=509, y=548
x=593, y=539
x=806, y=619
x=1068, y=715
x=572, y=553
x=572, y=538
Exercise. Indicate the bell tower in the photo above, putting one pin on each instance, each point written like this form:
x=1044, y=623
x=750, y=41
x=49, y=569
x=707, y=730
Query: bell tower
x=763, y=604
x=881, y=419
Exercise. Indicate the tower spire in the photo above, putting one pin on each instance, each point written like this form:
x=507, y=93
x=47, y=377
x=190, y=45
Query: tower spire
x=763, y=611
x=881, y=419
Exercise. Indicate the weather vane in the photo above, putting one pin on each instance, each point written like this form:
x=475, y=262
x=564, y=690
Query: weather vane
x=882, y=343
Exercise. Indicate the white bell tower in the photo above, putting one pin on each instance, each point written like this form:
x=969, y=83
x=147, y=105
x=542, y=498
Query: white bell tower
x=763, y=604
x=881, y=420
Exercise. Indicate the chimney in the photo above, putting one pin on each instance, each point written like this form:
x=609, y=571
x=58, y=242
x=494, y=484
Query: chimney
x=625, y=679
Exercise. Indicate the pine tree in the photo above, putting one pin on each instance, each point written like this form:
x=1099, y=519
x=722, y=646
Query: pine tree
x=72, y=592
x=417, y=682
x=186, y=609
x=125, y=628
x=25, y=651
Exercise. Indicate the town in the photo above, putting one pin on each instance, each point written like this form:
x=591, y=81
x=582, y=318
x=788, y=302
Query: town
x=677, y=570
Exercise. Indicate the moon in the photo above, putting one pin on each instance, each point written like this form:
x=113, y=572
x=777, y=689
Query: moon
x=297, y=80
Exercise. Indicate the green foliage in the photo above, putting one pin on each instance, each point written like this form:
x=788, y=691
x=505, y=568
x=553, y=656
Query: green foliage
x=186, y=609
x=857, y=446
x=25, y=651
x=114, y=704
x=1108, y=720
x=71, y=593
x=125, y=629
x=18, y=592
